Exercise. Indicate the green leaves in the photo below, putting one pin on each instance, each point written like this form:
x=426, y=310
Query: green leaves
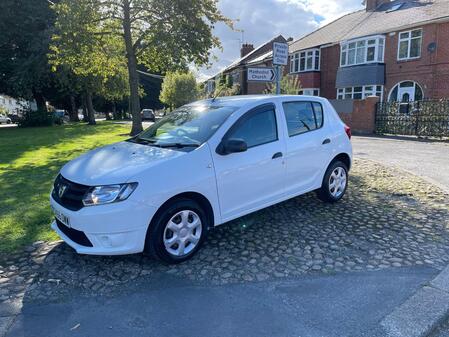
x=178, y=89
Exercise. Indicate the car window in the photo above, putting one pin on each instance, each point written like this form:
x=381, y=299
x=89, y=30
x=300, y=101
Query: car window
x=257, y=129
x=303, y=117
x=187, y=125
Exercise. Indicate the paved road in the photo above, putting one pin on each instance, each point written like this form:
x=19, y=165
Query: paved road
x=349, y=304
x=429, y=160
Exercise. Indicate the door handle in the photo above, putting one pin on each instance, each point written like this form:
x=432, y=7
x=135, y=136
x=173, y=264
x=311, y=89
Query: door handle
x=277, y=155
x=326, y=141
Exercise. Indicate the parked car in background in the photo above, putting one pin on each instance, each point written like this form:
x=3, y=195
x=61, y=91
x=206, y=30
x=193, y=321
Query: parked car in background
x=201, y=166
x=5, y=120
x=148, y=114
x=15, y=118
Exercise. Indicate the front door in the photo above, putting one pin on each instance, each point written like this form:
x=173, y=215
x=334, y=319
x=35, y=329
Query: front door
x=250, y=180
x=406, y=94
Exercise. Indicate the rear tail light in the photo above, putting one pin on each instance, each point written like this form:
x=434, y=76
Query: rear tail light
x=348, y=131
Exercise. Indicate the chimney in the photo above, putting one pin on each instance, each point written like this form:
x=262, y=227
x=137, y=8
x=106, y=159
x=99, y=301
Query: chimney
x=372, y=5
x=246, y=49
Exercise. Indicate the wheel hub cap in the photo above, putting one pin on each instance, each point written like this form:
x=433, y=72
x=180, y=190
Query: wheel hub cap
x=182, y=233
x=337, y=182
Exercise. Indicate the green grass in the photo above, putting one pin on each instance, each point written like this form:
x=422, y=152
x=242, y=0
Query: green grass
x=29, y=161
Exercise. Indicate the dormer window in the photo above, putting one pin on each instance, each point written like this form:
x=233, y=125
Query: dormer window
x=362, y=51
x=307, y=60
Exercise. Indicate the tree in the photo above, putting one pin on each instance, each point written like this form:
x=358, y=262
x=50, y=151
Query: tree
x=178, y=89
x=25, y=27
x=160, y=34
x=290, y=85
x=94, y=56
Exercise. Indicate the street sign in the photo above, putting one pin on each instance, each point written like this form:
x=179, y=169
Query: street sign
x=280, y=53
x=261, y=74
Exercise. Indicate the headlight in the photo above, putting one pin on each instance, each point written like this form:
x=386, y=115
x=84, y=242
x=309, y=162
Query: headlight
x=107, y=194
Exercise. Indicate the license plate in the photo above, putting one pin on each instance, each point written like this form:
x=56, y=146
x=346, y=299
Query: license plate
x=61, y=217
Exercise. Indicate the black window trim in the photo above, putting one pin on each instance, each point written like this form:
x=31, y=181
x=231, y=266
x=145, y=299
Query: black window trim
x=314, y=115
x=249, y=114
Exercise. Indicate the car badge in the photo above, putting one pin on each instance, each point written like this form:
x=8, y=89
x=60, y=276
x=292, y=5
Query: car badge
x=61, y=190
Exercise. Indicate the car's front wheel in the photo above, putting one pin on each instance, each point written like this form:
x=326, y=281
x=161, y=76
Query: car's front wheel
x=335, y=182
x=177, y=231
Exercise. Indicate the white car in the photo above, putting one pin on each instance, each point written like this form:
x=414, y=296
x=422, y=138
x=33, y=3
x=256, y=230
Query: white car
x=199, y=167
x=5, y=120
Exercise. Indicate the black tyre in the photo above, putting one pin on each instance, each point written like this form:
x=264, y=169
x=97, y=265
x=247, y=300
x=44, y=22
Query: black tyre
x=335, y=182
x=177, y=231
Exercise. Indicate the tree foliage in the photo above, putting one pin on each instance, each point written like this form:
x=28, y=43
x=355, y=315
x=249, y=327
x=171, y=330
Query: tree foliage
x=290, y=85
x=26, y=28
x=163, y=35
x=178, y=89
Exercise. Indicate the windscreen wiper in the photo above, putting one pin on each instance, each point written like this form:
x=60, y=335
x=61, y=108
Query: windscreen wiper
x=177, y=145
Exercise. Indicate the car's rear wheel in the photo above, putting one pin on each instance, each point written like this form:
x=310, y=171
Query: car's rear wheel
x=335, y=182
x=177, y=231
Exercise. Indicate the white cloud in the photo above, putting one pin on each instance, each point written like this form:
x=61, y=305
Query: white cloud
x=262, y=20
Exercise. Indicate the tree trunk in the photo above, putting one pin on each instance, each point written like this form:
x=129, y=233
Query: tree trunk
x=40, y=101
x=134, y=100
x=90, y=108
x=73, y=113
x=114, y=111
x=84, y=107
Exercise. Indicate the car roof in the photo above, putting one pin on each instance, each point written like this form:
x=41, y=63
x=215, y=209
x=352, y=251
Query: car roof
x=243, y=100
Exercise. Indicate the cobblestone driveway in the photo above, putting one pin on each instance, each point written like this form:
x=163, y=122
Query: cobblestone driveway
x=388, y=219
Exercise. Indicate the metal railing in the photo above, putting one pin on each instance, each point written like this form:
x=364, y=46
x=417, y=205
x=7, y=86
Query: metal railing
x=428, y=118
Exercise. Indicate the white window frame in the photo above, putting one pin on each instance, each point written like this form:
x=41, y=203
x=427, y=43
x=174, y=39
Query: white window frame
x=379, y=53
x=409, y=40
x=303, y=54
x=309, y=90
x=342, y=92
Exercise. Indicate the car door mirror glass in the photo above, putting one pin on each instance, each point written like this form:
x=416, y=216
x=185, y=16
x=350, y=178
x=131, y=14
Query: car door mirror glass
x=232, y=145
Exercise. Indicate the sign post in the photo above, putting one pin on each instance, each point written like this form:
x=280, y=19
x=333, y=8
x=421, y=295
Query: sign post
x=280, y=58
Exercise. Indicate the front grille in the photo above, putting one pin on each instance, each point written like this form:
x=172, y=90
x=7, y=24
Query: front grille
x=72, y=198
x=74, y=235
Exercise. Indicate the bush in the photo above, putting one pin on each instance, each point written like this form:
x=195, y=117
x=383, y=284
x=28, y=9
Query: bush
x=38, y=118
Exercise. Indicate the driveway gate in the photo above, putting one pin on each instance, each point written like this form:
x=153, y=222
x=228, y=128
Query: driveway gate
x=420, y=118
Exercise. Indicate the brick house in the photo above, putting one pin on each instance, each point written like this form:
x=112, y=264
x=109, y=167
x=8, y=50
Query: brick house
x=261, y=56
x=397, y=50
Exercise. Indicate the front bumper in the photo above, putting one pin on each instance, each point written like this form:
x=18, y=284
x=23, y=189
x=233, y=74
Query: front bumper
x=114, y=229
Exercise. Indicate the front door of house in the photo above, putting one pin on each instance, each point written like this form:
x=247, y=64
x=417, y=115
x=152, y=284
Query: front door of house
x=406, y=94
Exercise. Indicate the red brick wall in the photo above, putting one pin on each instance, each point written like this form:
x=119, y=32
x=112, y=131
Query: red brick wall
x=362, y=117
x=330, y=61
x=309, y=79
x=431, y=70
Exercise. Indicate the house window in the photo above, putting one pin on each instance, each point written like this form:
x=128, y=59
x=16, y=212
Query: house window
x=309, y=92
x=360, y=92
x=308, y=60
x=406, y=91
x=361, y=51
x=410, y=44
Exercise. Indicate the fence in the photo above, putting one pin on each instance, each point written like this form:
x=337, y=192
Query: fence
x=428, y=118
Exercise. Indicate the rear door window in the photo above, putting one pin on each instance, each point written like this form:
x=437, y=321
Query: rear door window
x=303, y=117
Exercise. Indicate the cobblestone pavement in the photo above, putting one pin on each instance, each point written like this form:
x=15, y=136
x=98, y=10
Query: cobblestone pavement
x=388, y=219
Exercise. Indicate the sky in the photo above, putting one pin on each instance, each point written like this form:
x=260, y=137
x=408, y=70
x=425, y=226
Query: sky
x=261, y=20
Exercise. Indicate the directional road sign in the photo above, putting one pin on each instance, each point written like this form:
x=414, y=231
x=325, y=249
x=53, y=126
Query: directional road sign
x=261, y=74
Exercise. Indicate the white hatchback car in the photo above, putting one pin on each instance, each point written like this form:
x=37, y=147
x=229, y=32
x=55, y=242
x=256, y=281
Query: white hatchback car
x=200, y=166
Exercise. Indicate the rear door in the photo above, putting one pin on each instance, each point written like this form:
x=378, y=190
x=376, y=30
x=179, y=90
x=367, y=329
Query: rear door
x=308, y=145
x=252, y=179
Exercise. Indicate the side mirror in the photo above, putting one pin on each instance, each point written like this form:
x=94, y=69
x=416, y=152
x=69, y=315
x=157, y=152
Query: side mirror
x=232, y=145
